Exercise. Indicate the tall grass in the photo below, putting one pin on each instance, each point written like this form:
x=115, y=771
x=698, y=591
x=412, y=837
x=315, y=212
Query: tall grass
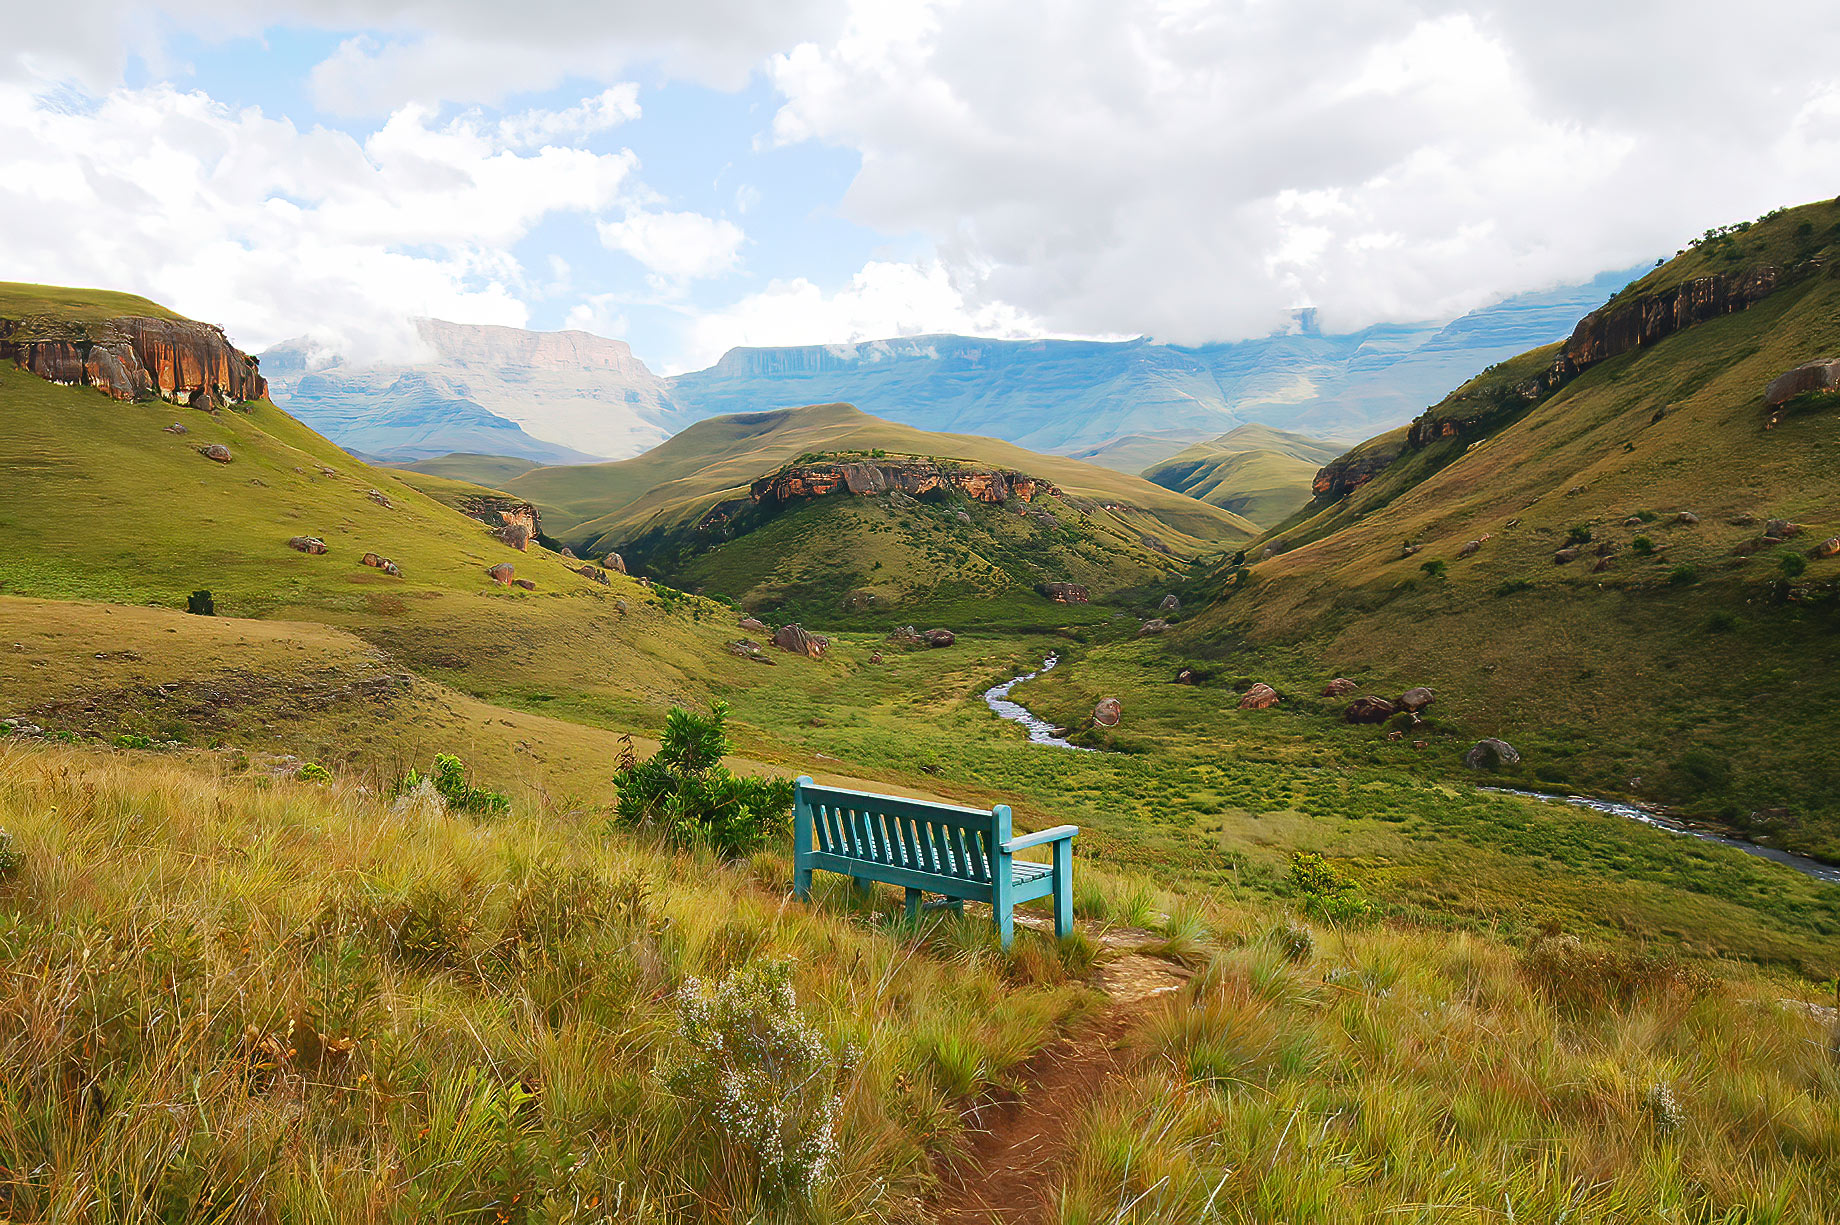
x=225, y=997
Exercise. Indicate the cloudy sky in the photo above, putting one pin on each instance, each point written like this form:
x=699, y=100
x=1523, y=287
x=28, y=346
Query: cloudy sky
x=704, y=173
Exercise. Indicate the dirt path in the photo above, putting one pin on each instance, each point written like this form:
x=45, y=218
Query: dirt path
x=1009, y=1171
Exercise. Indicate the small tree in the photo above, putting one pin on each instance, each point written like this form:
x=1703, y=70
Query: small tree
x=684, y=790
x=1792, y=564
x=448, y=779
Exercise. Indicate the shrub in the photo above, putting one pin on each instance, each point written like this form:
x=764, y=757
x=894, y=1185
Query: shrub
x=685, y=790
x=1792, y=564
x=1642, y=546
x=1682, y=576
x=448, y=778
x=1721, y=623
x=1513, y=586
x=1327, y=893
x=200, y=604
x=313, y=772
x=753, y=1070
x=10, y=857
x=1579, y=534
x=1580, y=979
x=1434, y=569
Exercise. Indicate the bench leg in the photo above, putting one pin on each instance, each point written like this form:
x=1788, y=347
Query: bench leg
x=865, y=888
x=1063, y=888
x=801, y=882
x=913, y=905
x=1006, y=924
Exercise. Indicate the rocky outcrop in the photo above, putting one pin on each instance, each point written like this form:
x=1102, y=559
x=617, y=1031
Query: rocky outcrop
x=916, y=478
x=1369, y=709
x=135, y=358
x=1347, y=473
x=1491, y=754
x=799, y=641
x=1064, y=593
x=613, y=562
x=512, y=520
x=1259, y=697
x=307, y=544
x=1822, y=375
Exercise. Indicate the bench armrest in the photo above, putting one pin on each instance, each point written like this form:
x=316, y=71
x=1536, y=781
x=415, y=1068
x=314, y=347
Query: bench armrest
x=1045, y=836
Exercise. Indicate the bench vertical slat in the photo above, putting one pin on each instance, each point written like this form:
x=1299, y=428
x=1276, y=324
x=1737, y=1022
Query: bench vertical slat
x=897, y=839
x=961, y=853
x=821, y=814
x=925, y=853
x=942, y=853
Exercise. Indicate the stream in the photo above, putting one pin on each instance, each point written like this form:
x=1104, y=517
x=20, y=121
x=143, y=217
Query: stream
x=1042, y=732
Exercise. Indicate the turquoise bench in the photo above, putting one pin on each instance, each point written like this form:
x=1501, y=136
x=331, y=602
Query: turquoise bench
x=959, y=853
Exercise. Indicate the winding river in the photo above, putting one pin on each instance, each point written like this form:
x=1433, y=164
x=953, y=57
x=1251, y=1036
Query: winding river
x=1042, y=732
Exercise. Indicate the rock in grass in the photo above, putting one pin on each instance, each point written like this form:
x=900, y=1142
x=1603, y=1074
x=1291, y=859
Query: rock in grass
x=754, y=625
x=377, y=496
x=307, y=544
x=1369, y=709
x=1170, y=604
x=800, y=641
x=1781, y=529
x=595, y=573
x=1491, y=754
x=216, y=451
x=1827, y=548
x=1470, y=548
x=1340, y=687
x=176, y=428
x=1687, y=517
x=1155, y=626
x=1415, y=700
x=1108, y=713
x=502, y=574
x=1260, y=697
x=1823, y=374
x=523, y=584
x=1064, y=593
x=907, y=636
x=616, y=563
x=1565, y=555
x=940, y=638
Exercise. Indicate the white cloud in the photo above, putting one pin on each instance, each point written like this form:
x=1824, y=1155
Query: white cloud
x=676, y=247
x=615, y=105
x=237, y=217
x=884, y=299
x=1198, y=170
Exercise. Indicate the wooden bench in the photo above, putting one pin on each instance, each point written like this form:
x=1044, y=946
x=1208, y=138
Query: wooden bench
x=960, y=853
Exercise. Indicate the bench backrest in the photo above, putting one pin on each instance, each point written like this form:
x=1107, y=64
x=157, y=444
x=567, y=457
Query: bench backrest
x=942, y=839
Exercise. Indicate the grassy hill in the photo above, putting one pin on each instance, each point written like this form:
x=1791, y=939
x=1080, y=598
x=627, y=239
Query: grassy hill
x=1255, y=471
x=490, y=471
x=1135, y=452
x=24, y=302
x=1672, y=658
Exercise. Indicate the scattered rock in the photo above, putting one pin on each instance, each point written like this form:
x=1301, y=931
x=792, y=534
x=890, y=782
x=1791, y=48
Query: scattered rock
x=1156, y=626
x=1827, y=548
x=908, y=636
x=1415, y=700
x=1822, y=374
x=754, y=625
x=796, y=639
x=1341, y=686
x=502, y=573
x=307, y=544
x=176, y=428
x=1565, y=555
x=1409, y=549
x=1781, y=529
x=617, y=564
x=1108, y=712
x=523, y=584
x=371, y=559
x=1633, y=521
x=875, y=658
x=217, y=451
x=1687, y=517
x=1369, y=709
x=1491, y=754
x=568, y=552
x=747, y=649
x=961, y=516
x=1064, y=593
x=1470, y=549
x=1260, y=697
x=940, y=638
x=595, y=573
x=1602, y=564
x=1170, y=604
x=377, y=496
x=389, y=568
x=1741, y=519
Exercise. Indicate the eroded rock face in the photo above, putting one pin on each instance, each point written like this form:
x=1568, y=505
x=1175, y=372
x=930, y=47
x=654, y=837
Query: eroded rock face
x=617, y=564
x=512, y=520
x=1064, y=593
x=1369, y=709
x=799, y=641
x=1345, y=474
x=1109, y=712
x=136, y=358
x=1491, y=754
x=915, y=478
x=1821, y=375
x=1259, y=697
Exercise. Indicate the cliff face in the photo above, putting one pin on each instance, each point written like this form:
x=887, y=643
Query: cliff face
x=1347, y=473
x=512, y=520
x=916, y=478
x=135, y=358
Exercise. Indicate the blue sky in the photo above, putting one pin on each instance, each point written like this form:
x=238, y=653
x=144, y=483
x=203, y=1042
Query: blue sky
x=720, y=172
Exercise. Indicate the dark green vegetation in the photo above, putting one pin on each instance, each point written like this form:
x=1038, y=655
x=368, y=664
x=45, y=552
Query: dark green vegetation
x=1255, y=471
x=685, y=792
x=1673, y=658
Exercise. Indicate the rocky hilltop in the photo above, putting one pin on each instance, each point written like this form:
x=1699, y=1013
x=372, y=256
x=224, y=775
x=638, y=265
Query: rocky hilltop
x=917, y=478
x=135, y=358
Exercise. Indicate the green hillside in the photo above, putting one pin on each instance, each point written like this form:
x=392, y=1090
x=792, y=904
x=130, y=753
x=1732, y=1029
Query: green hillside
x=1135, y=452
x=1672, y=658
x=22, y=301
x=1255, y=471
x=492, y=471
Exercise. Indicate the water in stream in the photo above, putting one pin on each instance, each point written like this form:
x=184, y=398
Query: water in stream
x=1040, y=730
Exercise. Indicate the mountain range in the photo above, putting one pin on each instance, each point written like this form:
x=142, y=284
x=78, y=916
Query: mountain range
x=563, y=397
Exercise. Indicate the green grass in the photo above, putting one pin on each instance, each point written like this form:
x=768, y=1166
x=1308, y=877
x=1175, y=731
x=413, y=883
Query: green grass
x=35, y=304
x=491, y=471
x=1263, y=486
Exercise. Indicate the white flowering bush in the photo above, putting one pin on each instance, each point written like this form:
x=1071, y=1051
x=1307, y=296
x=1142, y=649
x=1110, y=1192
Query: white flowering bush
x=762, y=1076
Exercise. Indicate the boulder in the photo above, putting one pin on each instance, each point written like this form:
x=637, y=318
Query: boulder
x=1369, y=709
x=376, y=495
x=371, y=559
x=1742, y=519
x=1406, y=550
x=1491, y=754
x=1340, y=687
x=1633, y=521
x=523, y=584
x=1259, y=697
x=515, y=534
x=1156, y=626
x=217, y=451
x=875, y=658
x=754, y=625
x=1415, y=700
x=1820, y=375
x=908, y=636
x=1108, y=712
x=1064, y=593
x=176, y=428
x=1687, y=517
x=1827, y=548
x=568, y=552
x=502, y=573
x=595, y=573
x=1170, y=604
x=940, y=638
x=617, y=564
x=748, y=649
x=307, y=544
x=1188, y=676
x=389, y=568
x=796, y=639
x=1781, y=529
x=1565, y=555
x=1470, y=549
x=961, y=516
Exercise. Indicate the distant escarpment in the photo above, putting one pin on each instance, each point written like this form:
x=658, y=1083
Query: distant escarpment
x=1347, y=473
x=135, y=358
x=917, y=478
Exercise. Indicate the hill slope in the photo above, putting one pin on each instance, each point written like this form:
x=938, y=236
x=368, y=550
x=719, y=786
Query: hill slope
x=1572, y=546
x=1255, y=471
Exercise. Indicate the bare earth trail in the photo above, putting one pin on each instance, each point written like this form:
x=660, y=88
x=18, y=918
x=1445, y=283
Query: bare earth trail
x=1008, y=1173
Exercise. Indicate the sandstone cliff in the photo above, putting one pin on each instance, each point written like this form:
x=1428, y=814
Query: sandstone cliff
x=513, y=520
x=917, y=478
x=135, y=358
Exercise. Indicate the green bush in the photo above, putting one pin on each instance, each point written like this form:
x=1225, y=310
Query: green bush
x=1579, y=534
x=313, y=772
x=751, y=1069
x=685, y=791
x=448, y=779
x=1682, y=576
x=1434, y=569
x=200, y=604
x=1513, y=586
x=133, y=740
x=1327, y=892
x=1642, y=546
x=1791, y=563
